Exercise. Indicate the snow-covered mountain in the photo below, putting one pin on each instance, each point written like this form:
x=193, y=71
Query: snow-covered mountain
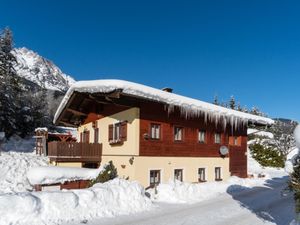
x=41, y=71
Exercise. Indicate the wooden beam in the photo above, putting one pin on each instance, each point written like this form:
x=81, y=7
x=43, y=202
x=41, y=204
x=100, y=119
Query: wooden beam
x=76, y=112
x=67, y=124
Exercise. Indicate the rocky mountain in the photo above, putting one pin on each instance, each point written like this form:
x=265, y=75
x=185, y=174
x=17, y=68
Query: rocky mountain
x=36, y=69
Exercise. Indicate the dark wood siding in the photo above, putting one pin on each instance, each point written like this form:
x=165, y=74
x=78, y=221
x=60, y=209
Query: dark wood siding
x=154, y=113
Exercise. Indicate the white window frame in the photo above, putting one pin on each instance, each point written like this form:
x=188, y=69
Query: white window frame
x=116, y=132
x=178, y=133
x=155, y=131
x=218, y=140
x=200, y=136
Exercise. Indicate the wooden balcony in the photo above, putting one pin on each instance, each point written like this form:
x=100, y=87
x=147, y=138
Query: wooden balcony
x=74, y=152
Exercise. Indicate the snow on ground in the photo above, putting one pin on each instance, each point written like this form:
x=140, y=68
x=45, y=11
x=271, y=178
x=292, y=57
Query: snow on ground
x=179, y=192
x=13, y=170
x=56, y=174
x=116, y=197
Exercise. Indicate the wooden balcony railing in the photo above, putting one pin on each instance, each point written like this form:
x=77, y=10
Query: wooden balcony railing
x=74, y=151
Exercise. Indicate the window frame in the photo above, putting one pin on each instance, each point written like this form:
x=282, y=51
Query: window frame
x=218, y=134
x=199, y=178
x=158, y=171
x=181, y=129
x=156, y=127
x=96, y=135
x=199, y=135
x=218, y=173
x=179, y=169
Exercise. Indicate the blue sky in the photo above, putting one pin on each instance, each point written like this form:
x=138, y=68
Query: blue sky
x=249, y=49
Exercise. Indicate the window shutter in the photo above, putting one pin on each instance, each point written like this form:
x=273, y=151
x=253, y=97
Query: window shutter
x=81, y=137
x=124, y=131
x=110, y=132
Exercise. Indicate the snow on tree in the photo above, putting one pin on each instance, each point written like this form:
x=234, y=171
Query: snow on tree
x=9, y=85
x=284, y=140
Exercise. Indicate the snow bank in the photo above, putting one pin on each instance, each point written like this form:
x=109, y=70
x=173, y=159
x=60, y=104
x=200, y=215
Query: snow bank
x=110, y=199
x=188, y=106
x=56, y=174
x=13, y=170
x=179, y=192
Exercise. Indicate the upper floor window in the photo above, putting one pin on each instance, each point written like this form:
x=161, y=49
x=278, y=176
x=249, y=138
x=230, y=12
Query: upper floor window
x=155, y=131
x=178, y=133
x=117, y=132
x=235, y=140
x=85, y=137
x=202, y=136
x=96, y=135
x=218, y=138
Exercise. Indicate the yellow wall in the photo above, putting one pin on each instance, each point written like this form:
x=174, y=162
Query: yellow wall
x=130, y=146
x=140, y=169
x=66, y=164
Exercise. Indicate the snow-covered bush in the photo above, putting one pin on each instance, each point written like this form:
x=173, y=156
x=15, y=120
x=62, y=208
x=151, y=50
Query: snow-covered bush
x=109, y=172
x=266, y=156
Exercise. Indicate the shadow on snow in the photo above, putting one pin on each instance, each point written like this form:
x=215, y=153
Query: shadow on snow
x=270, y=203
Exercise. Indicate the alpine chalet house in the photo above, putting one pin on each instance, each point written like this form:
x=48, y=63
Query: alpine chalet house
x=152, y=135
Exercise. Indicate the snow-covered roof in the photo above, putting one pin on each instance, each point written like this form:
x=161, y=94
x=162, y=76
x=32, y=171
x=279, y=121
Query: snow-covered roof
x=188, y=106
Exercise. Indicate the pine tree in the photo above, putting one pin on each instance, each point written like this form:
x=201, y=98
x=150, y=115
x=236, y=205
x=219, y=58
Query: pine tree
x=232, y=102
x=9, y=85
x=216, y=101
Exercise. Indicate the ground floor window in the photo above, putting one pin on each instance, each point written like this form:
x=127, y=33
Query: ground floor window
x=154, y=177
x=201, y=175
x=178, y=174
x=218, y=176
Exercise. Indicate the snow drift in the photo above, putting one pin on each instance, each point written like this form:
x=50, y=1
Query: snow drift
x=113, y=198
x=13, y=170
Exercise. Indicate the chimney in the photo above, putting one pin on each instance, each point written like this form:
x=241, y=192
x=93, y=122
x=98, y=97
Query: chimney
x=167, y=89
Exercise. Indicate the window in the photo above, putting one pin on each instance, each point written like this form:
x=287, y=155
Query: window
x=235, y=140
x=178, y=133
x=96, y=135
x=217, y=138
x=202, y=136
x=117, y=132
x=178, y=174
x=218, y=174
x=154, y=177
x=201, y=175
x=85, y=137
x=155, y=131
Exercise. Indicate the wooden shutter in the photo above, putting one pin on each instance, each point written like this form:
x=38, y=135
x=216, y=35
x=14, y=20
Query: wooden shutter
x=81, y=137
x=110, y=132
x=124, y=131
